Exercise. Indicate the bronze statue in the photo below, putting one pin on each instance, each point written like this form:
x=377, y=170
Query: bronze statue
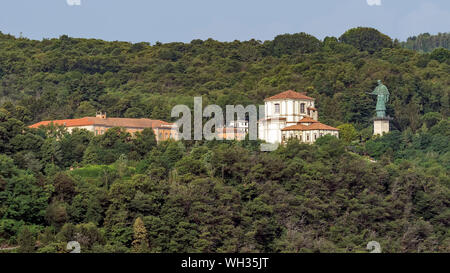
x=382, y=98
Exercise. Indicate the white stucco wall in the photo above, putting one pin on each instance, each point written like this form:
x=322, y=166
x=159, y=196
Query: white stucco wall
x=270, y=128
x=308, y=136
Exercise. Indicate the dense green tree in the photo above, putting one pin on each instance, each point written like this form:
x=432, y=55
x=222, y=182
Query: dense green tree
x=426, y=42
x=366, y=39
x=441, y=55
x=24, y=199
x=56, y=214
x=347, y=132
x=26, y=241
x=140, y=242
x=173, y=153
x=144, y=141
x=431, y=118
x=294, y=43
x=107, y=148
x=64, y=186
x=51, y=151
x=86, y=109
x=74, y=145
x=7, y=167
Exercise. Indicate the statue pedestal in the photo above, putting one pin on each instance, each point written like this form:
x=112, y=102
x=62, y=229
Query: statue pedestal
x=380, y=126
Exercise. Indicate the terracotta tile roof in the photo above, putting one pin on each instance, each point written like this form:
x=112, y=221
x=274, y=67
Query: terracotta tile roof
x=66, y=122
x=307, y=120
x=321, y=126
x=290, y=95
x=297, y=127
x=312, y=126
x=107, y=122
x=130, y=122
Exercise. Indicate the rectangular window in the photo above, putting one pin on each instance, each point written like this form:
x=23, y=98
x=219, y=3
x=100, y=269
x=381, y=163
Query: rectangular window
x=302, y=108
x=277, y=108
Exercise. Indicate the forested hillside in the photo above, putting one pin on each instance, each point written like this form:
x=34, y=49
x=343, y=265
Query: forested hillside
x=117, y=193
x=427, y=43
x=68, y=77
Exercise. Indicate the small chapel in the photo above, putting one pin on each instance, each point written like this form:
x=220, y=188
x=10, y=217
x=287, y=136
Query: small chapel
x=290, y=115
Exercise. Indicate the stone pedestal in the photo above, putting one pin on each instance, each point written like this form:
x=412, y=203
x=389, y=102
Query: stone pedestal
x=380, y=126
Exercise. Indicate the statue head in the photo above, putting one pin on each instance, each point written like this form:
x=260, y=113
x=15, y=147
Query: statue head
x=379, y=82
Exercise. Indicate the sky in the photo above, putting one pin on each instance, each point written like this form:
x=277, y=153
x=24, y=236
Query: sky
x=224, y=20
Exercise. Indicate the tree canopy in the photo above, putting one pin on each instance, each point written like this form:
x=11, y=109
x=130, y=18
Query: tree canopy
x=121, y=193
x=426, y=42
x=366, y=39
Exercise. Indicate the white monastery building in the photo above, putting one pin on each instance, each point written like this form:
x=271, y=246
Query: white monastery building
x=292, y=115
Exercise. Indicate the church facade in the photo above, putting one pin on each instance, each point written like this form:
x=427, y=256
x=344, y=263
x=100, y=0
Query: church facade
x=289, y=115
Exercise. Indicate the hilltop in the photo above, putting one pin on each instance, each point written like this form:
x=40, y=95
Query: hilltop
x=69, y=77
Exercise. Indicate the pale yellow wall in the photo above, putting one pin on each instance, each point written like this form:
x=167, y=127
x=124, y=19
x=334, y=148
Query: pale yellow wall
x=161, y=134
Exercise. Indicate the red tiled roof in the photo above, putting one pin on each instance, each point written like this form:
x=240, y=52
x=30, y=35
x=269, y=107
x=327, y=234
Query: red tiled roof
x=65, y=122
x=307, y=120
x=130, y=122
x=290, y=95
x=106, y=122
x=312, y=126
